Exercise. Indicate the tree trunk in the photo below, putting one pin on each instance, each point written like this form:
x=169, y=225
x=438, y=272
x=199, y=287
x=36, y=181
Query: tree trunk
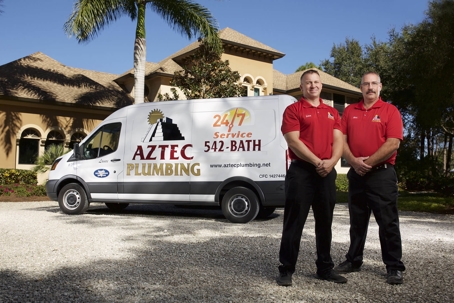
x=422, y=144
x=449, y=155
x=140, y=55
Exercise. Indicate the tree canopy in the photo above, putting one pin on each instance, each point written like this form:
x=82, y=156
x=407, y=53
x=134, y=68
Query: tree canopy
x=308, y=65
x=205, y=75
x=347, y=62
x=416, y=66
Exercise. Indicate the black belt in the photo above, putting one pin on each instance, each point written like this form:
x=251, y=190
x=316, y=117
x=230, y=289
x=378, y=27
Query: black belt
x=302, y=163
x=384, y=165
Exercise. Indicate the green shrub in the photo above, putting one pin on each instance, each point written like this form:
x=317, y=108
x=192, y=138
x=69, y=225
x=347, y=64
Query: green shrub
x=17, y=176
x=444, y=185
x=52, y=152
x=23, y=190
x=342, y=183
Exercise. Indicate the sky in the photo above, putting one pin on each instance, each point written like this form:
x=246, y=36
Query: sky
x=305, y=31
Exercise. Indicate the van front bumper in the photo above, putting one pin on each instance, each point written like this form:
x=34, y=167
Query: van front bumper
x=51, y=186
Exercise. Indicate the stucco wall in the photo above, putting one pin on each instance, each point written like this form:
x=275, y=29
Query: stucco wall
x=13, y=123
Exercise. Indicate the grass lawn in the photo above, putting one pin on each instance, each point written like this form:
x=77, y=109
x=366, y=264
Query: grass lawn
x=422, y=202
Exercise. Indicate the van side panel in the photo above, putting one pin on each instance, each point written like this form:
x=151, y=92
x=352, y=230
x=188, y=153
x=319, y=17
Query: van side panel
x=190, y=151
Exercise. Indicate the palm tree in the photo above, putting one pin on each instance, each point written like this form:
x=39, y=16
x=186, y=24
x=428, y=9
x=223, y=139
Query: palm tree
x=90, y=16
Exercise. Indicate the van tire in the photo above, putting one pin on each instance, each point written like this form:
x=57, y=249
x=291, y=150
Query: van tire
x=240, y=205
x=265, y=212
x=72, y=199
x=117, y=206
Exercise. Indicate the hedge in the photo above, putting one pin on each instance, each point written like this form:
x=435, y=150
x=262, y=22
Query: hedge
x=17, y=176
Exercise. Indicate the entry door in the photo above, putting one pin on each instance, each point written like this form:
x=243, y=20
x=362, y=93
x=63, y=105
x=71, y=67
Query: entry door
x=101, y=164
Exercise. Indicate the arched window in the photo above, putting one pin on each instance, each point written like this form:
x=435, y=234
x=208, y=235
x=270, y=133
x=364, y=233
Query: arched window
x=76, y=138
x=246, y=86
x=54, y=138
x=29, y=146
x=259, y=87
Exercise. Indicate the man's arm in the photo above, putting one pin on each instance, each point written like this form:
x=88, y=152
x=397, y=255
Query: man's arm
x=358, y=164
x=385, y=151
x=327, y=165
x=300, y=149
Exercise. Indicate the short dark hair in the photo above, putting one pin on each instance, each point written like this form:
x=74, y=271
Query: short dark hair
x=309, y=71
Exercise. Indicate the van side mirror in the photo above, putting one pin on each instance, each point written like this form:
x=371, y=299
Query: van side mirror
x=78, y=150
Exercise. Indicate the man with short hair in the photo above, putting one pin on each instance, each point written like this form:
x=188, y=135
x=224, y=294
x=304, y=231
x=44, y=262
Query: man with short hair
x=372, y=132
x=312, y=131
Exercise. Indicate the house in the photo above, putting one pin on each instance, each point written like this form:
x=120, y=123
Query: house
x=44, y=102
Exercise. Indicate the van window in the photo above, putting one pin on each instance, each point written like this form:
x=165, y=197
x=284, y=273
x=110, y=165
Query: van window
x=103, y=142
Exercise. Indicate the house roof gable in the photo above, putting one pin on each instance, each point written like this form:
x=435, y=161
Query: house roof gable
x=40, y=77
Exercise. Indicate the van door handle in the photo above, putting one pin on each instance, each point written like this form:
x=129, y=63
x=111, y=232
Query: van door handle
x=115, y=160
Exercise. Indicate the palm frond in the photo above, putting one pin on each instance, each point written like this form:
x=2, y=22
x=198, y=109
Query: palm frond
x=90, y=17
x=190, y=19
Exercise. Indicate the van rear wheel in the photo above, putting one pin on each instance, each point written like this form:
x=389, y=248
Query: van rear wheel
x=117, y=206
x=72, y=199
x=240, y=205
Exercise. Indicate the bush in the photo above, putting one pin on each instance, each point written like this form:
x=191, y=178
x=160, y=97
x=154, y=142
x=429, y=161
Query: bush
x=23, y=190
x=444, y=185
x=342, y=183
x=50, y=155
x=17, y=176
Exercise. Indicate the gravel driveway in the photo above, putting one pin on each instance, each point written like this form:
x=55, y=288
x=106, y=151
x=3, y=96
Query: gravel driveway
x=169, y=254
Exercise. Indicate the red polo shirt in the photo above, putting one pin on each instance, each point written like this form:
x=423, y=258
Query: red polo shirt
x=315, y=124
x=368, y=129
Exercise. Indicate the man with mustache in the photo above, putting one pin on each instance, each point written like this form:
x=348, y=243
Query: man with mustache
x=372, y=132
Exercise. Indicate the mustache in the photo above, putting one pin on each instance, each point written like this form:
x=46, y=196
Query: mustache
x=371, y=91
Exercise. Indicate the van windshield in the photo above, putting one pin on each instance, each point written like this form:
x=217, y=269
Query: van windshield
x=103, y=142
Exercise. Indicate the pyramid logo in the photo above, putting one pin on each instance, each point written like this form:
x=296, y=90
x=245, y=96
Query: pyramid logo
x=161, y=128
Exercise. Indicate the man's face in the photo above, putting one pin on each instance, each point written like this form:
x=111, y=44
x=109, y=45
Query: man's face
x=371, y=87
x=311, y=86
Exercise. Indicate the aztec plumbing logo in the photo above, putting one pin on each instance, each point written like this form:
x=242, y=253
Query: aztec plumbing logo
x=161, y=159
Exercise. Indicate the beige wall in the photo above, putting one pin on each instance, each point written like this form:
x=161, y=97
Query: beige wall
x=161, y=85
x=46, y=118
x=255, y=70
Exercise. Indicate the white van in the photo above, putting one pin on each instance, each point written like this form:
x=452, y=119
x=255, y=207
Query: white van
x=217, y=152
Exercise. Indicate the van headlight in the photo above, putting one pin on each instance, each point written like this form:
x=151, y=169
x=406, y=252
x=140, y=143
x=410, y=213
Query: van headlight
x=54, y=165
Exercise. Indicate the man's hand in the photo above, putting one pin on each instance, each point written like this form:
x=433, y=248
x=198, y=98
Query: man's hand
x=360, y=167
x=324, y=167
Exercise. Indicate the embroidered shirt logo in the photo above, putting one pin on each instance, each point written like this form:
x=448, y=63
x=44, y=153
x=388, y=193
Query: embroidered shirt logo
x=330, y=116
x=354, y=117
x=308, y=116
x=376, y=119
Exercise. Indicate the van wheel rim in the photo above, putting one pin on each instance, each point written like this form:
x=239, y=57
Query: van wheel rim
x=72, y=199
x=239, y=206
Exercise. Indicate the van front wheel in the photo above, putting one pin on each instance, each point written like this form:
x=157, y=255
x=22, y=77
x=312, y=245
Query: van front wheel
x=240, y=205
x=72, y=199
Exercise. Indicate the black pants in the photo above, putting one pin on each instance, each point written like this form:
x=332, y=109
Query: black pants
x=375, y=192
x=305, y=188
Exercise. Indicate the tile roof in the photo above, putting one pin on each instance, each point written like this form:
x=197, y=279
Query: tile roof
x=169, y=65
x=40, y=77
x=230, y=36
x=292, y=81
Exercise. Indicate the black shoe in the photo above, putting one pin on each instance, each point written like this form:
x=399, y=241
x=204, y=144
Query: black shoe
x=332, y=276
x=394, y=277
x=346, y=267
x=284, y=279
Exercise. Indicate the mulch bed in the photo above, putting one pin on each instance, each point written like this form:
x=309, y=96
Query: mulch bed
x=14, y=198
